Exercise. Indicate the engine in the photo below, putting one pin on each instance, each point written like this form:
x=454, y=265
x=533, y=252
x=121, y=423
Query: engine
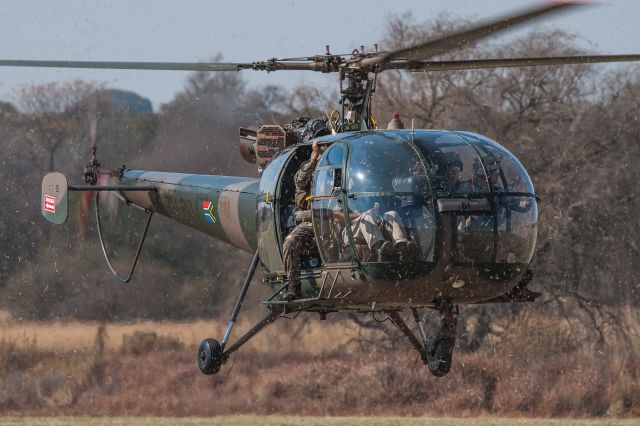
x=259, y=146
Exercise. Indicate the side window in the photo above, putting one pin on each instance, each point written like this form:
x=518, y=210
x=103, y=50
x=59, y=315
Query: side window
x=462, y=170
x=328, y=175
x=327, y=221
x=326, y=182
x=333, y=157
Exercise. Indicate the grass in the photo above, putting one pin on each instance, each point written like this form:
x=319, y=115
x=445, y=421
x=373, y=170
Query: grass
x=293, y=420
x=310, y=368
x=311, y=336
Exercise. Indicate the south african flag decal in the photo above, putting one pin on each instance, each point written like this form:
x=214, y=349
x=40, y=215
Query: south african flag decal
x=209, y=214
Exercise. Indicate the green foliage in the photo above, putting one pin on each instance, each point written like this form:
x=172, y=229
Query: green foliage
x=7, y=108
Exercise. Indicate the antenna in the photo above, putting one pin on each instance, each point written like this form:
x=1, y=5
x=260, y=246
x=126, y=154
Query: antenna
x=324, y=104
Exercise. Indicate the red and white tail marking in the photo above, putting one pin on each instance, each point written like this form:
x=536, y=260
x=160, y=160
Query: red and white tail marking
x=49, y=203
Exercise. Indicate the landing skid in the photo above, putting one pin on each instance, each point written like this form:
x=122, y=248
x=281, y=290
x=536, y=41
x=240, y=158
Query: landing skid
x=435, y=351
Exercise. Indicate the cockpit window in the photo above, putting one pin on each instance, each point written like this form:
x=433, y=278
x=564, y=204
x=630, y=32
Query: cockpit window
x=375, y=162
x=333, y=157
x=456, y=167
x=326, y=182
x=390, y=210
x=513, y=177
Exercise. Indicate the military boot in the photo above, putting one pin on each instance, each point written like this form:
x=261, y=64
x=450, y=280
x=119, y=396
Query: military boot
x=294, y=292
x=409, y=251
x=385, y=252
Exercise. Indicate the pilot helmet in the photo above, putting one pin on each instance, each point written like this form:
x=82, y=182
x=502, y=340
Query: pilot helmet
x=492, y=164
x=453, y=159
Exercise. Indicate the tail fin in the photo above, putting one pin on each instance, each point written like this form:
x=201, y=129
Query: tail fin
x=55, y=201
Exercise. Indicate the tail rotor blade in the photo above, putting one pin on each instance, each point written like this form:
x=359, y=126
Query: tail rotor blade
x=93, y=123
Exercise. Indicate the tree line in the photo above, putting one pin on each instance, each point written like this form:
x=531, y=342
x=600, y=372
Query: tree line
x=575, y=128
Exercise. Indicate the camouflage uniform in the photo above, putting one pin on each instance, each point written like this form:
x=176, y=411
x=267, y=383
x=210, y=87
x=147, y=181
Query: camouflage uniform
x=371, y=229
x=301, y=238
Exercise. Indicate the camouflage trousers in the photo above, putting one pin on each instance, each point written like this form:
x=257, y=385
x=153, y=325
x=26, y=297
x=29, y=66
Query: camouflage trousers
x=370, y=229
x=300, y=239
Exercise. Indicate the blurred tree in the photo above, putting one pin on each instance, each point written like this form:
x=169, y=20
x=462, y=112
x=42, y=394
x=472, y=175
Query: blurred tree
x=7, y=108
x=54, y=114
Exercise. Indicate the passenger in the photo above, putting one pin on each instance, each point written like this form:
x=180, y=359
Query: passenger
x=495, y=183
x=454, y=168
x=383, y=235
x=378, y=235
x=480, y=182
x=301, y=238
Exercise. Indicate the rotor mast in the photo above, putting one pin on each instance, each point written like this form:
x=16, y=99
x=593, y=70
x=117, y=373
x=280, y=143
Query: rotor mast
x=356, y=97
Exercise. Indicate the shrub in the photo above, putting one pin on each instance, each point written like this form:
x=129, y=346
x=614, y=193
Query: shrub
x=142, y=342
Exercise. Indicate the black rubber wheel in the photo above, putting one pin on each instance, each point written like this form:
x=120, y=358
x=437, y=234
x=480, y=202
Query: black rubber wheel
x=209, y=356
x=439, y=358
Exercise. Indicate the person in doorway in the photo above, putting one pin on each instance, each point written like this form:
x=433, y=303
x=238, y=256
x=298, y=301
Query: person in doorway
x=301, y=238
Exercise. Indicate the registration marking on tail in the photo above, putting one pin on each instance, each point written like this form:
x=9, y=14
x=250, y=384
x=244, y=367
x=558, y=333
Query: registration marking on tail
x=49, y=203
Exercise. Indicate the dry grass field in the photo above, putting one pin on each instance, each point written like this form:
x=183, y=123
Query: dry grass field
x=539, y=368
x=309, y=421
x=310, y=336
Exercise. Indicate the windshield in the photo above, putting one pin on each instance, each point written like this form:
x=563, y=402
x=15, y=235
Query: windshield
x=376, y=160
x=391, y=214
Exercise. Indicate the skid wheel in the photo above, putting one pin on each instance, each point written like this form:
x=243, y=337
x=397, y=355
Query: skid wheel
x=209, y=356
x=438, y=357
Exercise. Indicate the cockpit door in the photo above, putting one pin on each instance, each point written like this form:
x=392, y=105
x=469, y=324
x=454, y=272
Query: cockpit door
x=268, y=204
x=328, y=204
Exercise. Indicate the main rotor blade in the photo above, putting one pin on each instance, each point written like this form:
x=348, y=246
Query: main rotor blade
x=168, y=66
x=507, y=62
x=271, y=65
x=464, y=38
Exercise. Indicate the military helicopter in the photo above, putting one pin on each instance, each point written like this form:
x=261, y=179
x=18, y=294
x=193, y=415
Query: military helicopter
x=463, y=202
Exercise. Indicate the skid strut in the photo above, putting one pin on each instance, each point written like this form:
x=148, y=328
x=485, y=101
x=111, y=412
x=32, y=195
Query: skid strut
x=397, y=320
x=271, y=317
x=240, y=299
x=211, y=353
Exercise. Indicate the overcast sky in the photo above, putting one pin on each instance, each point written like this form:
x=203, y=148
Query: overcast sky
x=245, y=31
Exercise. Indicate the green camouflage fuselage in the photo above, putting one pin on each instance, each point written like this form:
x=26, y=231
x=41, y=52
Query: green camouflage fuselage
x=221, y=206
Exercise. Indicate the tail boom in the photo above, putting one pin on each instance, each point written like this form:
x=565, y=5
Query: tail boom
x=223, y=207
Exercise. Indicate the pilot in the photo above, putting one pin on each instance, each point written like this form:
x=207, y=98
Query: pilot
x=454, y=168
x=494, y=185
x=483, y=223
x=301, y=238
x=480, y=182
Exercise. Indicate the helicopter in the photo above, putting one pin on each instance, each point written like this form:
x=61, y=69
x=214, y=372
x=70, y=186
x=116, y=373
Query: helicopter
x=463, y=201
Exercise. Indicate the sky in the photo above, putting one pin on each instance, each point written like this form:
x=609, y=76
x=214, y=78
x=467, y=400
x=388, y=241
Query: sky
x=247, y=31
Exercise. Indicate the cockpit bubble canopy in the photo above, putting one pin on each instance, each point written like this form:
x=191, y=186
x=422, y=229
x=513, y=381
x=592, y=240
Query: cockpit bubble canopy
x=394, y=181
